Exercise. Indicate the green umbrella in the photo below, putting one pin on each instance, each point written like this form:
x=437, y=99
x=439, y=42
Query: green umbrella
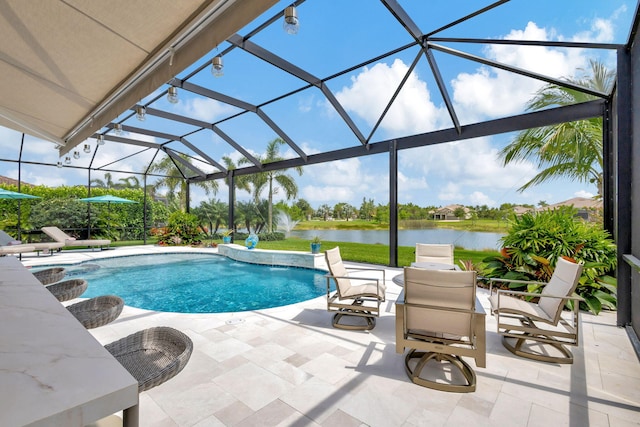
x=12, y=195
x=108, y=199
x=6, y=194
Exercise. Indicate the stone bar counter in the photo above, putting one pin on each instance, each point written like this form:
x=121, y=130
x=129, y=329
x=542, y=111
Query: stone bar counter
x=53, y=372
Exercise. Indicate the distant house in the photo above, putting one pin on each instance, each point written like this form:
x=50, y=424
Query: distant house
x=586, y=206
x=519, y=210
x=447, y=213
x=5, y=180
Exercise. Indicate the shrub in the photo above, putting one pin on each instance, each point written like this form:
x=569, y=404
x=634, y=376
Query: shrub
x=182, y=229
x=536, y=240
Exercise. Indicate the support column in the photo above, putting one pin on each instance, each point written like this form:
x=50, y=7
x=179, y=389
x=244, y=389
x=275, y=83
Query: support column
x=232, y=201
x=144, y=210
x=393, y=203
x=623, y=183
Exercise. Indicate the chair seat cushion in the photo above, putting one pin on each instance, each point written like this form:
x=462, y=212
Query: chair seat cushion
x=366, y=289
x=511, y=305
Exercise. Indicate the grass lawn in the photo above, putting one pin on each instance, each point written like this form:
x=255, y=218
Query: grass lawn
x=374, y=254
x=488, y=225
x=356, y=252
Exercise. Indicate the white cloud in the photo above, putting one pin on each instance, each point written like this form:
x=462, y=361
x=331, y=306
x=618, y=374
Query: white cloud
x=370, y=91
x=204, y=109
x=490, y=92
x=584, y=193
x=478, y=198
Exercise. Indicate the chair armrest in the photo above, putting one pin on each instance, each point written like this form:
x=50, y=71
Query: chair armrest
x=533, y=294
x=376, y=279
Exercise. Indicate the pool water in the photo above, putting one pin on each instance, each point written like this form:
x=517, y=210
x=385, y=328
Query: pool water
x=197, y=283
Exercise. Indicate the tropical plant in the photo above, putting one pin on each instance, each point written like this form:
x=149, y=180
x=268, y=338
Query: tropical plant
x=536, y=240
x=266, y=179
x=572, y=150
x=182, y=229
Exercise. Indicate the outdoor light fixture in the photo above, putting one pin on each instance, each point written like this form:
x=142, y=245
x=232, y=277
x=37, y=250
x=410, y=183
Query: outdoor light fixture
x=67, y=160
x=59, y=164
x=141, y=113
x=87, y=148
x=76, y=155
x=100, y=139
x=217, y=66
x=291, y=23
x=172, y=95
x=117, y=129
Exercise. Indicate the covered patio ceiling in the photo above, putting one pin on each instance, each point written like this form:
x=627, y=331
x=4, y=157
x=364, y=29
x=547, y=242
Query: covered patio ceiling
x=77, y=69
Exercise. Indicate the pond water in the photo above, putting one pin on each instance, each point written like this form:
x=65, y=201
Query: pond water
x=473, y=240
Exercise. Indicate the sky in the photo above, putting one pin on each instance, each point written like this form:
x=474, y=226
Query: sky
x=467, y=172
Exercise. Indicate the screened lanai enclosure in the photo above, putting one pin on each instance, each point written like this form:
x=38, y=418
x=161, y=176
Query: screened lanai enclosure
x=114, y=87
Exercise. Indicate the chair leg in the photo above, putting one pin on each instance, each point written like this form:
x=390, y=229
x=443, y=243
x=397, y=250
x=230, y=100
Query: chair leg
x=370, y=322
x=455, y=361
x=566, y=358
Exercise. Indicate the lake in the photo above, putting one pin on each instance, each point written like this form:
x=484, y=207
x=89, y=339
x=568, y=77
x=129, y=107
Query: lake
x=473, y=240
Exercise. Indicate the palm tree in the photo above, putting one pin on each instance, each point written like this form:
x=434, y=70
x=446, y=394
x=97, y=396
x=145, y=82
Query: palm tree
x=107, y=183
x=282, y=180
x=212, y=212
x=571, y=150
x=174, y=180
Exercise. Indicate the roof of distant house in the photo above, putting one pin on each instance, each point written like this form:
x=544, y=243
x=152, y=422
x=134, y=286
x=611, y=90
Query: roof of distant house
x=5, y=180
x=576, y=202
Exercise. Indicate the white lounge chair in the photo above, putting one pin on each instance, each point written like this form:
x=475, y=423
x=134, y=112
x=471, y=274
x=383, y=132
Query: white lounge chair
x=355, y=296
x=60, y=236
x=47, y=247
x=530, y=329
x=440, y=320
x=432, y=252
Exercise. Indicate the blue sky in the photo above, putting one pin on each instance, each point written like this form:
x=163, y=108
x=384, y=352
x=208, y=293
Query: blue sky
x=335, y=35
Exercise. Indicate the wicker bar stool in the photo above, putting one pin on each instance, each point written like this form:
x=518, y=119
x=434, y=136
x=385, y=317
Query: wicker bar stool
x=68, y=289
x=154, y=355
x=50, y=275
x=97, y=311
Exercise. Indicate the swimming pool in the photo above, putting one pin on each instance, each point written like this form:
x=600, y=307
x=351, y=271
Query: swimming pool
x=197, y=283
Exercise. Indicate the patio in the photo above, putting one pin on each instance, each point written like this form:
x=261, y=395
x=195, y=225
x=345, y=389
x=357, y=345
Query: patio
x=288, y=366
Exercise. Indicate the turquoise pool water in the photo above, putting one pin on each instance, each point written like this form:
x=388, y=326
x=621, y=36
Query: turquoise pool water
x=197, y=283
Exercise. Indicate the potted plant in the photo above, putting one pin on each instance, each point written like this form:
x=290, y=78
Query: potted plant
x=316, y=243
x=226, y=236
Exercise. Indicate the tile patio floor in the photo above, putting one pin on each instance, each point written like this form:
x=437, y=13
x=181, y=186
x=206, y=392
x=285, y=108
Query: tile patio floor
x=288, y=367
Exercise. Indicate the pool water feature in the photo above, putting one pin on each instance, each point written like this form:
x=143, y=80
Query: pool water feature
x=198, y=283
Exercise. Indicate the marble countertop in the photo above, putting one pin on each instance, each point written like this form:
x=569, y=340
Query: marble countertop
x=52, y=370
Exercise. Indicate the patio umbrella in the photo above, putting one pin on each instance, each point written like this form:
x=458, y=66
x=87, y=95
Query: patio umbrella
x=108, y=199
x=13, y=195
x=6, y=194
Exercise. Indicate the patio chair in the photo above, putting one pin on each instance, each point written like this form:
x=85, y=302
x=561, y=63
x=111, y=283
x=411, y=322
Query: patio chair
x=98, y=311
x=11, y=246
x=50, y=275
x=439, y=318
x=68, y=289
x=152, y=356
x=431, y=252
x=46, y=247
x=355, y=297
x=517, y=316
x=60, y=236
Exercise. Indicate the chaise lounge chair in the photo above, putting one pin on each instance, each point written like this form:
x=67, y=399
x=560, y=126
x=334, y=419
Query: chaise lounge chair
x=7, y=241
x=355, y=296
x=60, y=236
x=517, y=317
x=439, y=318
